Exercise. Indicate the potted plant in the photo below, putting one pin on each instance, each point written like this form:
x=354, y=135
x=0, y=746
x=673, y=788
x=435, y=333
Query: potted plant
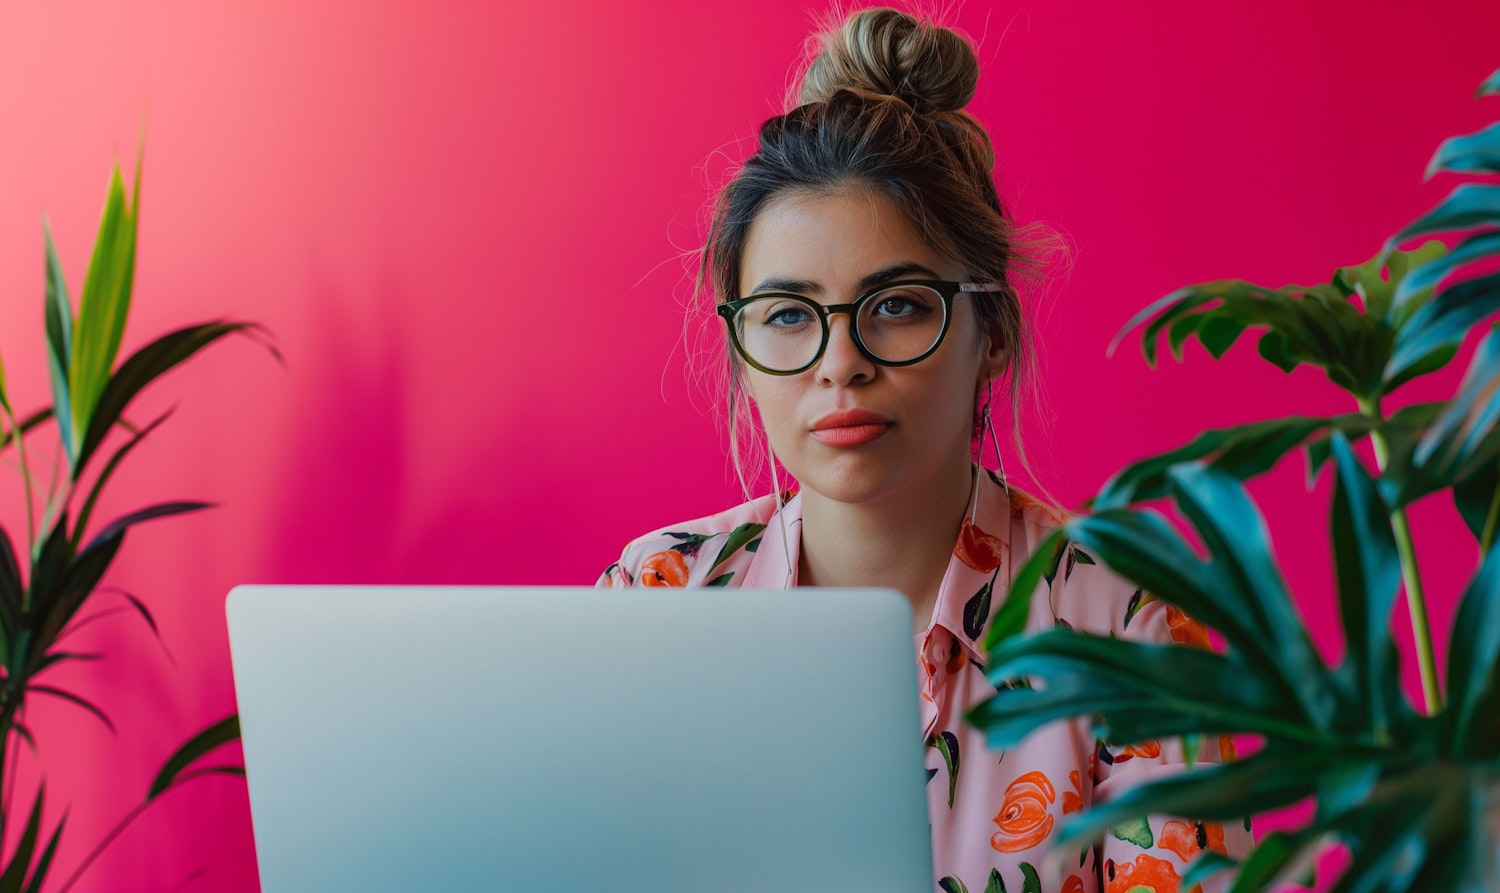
x=52, y=574
x=1412, y=793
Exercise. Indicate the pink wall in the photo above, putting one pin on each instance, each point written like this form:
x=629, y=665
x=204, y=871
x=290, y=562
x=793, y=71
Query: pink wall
x=378, y=182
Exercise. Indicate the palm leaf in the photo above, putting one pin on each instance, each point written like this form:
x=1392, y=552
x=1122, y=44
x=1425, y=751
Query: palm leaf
x=1368, y=573
x=75, y=698
x=59, y=322
x=172, y=772
x=1473, y=658
x=81, y=527
x=1243, y=452
x=145, y=366
x=105, y=303
x=1438, y=327
x=1478, y=247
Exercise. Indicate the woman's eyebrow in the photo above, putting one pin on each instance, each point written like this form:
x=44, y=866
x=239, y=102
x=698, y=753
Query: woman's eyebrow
x=895, y=271
x=879, y=277
x=794, y=286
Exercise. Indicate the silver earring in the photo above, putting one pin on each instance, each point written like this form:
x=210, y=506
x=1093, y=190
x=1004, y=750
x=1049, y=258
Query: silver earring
x=989, y=427
x=786, y=546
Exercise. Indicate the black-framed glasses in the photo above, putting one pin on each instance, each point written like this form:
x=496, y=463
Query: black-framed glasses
x=896, y=324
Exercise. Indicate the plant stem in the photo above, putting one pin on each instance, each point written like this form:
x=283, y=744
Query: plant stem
x=1411, y=575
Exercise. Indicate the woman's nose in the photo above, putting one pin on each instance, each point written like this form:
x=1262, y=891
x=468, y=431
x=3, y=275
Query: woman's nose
x=843, y=363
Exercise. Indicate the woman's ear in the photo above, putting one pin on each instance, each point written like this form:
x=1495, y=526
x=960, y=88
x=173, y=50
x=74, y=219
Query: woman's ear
x=996, y=356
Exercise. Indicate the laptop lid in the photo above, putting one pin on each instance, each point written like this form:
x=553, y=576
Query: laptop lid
x=466, y=739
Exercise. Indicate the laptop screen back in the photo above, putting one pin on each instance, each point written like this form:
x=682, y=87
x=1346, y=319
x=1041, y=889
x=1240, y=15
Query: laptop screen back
x=458, y=739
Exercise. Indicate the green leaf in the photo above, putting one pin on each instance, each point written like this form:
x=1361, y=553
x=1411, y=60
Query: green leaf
x=1368, y=574
x=1468, y=206
x=105, y=302
x=172, y=772
x=1136, y=691
x=1490, y=87
x=996, y=883
x=1471, y=153
x=738, y=539
x=58, y=313
x=1462, y=438
x=1477, y=498
x=1136, y=831
x=145, y=366
x=1473, y=659
x=1030, y=882
x=1478, y=247
x=1306, y=325
x=1380, y=280
x=947, y=745
x=81, y=526
x=977, y=611
x=81, y=701
x=1207, y=864
x=44, y=864
x=13, y=878
x=161, y=510
x=1243, y=452
x=951, y=884
x=1269, y=779
x=1011, y=619
x=1239, y=544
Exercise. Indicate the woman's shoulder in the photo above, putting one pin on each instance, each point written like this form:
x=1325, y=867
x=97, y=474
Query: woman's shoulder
x=709, y=551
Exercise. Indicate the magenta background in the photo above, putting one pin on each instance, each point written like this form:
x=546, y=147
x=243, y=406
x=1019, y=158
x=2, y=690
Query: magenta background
x=377, y=182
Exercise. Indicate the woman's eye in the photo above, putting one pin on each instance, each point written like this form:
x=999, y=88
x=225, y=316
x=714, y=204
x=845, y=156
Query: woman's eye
x=787, y=316
x=901, y=305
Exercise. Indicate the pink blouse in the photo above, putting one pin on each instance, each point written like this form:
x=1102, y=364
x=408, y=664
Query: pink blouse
x=993, y=814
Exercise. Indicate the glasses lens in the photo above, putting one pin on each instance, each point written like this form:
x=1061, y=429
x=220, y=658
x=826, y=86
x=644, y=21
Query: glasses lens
x=779, y=332
x=902, y=322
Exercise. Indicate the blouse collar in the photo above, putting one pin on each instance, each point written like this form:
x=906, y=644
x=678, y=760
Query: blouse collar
x=971, y=590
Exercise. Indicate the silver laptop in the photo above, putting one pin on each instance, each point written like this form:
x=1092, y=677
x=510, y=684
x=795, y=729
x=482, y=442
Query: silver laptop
x=470, y=739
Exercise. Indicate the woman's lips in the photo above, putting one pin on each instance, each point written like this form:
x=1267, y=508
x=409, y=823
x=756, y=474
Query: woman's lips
x=849, y=427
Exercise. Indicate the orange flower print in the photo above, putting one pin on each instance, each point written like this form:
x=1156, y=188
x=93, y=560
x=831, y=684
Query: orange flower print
x=1148, y=875
x=1226, y=749
x=1150, y=750
x=1186, y=630
x=1024, y=818
x=664, y=569
x=1073, y=800
x=1188, y=840
x=979, y=550
x=1074, y=884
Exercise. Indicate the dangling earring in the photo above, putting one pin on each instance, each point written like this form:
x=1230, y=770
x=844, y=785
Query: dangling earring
x=989, y=427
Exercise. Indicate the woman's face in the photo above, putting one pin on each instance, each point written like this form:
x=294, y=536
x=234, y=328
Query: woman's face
x=849, y=429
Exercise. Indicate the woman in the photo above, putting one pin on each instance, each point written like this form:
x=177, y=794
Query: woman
x=864, y=268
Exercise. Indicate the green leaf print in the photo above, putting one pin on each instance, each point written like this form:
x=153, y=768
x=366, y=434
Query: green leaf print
x=977, y=610
x=739, y=538
x=1030, y=882
x=947, y=745
x=689, y=543
x=996, y=884
x=720, y=580
x=951, y=884
x=1137, y=831
x=1083, y=557
x=932, y=773
x=1137, y=601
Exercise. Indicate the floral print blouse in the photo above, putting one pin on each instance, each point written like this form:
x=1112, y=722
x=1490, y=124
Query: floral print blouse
x=993, y=814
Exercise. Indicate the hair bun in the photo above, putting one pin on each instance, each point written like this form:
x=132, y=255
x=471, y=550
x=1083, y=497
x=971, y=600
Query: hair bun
x=886, y=51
